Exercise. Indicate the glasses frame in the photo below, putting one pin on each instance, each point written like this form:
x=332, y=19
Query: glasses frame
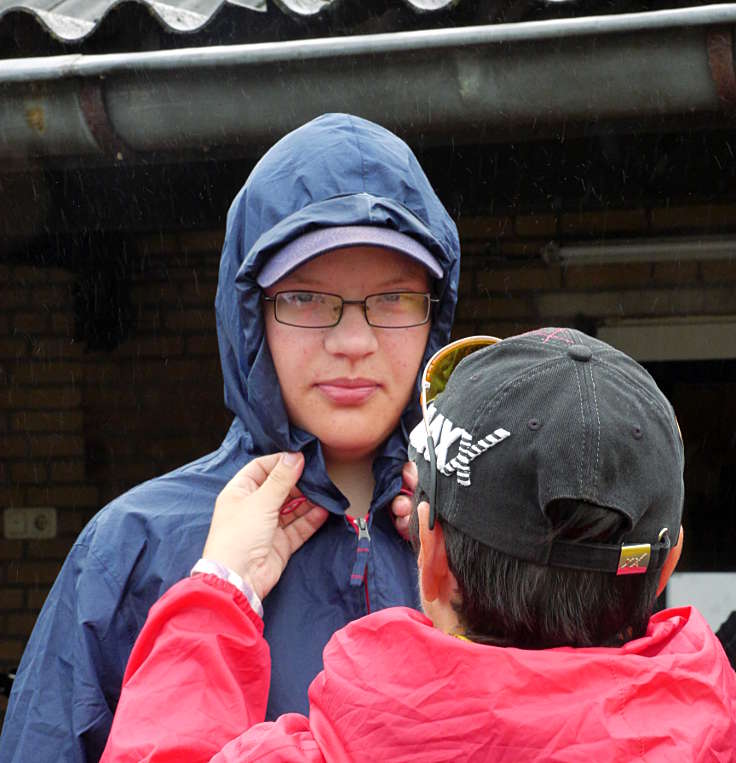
x=428, y=295
x=433, y=364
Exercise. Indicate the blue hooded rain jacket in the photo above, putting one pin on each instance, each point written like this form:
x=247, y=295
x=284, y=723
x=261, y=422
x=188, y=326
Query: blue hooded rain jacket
x=335, y=170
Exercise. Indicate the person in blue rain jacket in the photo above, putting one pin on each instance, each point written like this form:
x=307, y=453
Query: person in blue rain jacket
x=340, y=175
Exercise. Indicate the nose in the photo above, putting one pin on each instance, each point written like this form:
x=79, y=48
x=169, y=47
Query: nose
x=352, y=337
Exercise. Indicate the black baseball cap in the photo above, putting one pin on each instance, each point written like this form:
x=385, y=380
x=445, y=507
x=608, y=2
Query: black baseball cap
x=556, y=414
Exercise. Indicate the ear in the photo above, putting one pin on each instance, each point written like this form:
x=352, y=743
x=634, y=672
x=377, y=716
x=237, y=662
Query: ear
x=435, y=577
x=671, y=562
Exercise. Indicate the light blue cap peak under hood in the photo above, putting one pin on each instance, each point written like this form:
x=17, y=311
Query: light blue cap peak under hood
x=335, y=170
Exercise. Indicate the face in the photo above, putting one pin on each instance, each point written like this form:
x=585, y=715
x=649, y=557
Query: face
x=348, y=384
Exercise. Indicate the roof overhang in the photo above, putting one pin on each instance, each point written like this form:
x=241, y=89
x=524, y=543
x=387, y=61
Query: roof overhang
x=504, y=82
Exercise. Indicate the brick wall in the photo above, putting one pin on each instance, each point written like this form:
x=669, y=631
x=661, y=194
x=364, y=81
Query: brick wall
x=79, y=426
x=41, y=420
x=156, y=401
x=506, y=288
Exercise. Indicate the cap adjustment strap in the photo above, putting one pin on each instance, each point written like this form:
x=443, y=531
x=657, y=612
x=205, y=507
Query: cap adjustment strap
x=634, y=559
x=626, y=559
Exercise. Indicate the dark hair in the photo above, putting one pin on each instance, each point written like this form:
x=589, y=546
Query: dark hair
x=511, y=602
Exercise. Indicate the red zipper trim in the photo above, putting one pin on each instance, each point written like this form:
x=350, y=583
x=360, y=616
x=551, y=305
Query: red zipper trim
x=354, y=523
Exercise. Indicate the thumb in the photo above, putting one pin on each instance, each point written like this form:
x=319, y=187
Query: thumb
x=281, y=480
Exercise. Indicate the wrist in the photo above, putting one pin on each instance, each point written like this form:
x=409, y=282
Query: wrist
x=243, y=583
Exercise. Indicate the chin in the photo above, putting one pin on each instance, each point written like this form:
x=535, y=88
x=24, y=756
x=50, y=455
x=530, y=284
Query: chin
x=348, y=451
x=347, y=447
x=350, y=433
x=354, y=429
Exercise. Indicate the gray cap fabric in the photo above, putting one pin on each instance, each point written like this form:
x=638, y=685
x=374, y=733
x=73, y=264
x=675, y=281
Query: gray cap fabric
x=317, y=242
x=555, y=414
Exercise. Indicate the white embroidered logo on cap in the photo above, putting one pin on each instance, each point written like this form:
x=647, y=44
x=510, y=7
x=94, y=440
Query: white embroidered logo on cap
x=444, y=433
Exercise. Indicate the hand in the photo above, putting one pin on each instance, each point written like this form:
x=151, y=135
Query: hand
x=248, y=532
x=401, y=505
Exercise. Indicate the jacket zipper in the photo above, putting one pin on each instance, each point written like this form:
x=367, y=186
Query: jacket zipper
x=359, y=574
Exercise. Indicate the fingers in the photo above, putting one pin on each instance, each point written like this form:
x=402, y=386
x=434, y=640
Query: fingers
x=301, y=528
x=294, y=508
x=247, y=533
x=402, y=504
x=410, y=476
x=280, y=480
x=254, y=473
x=401, y=509
x=290, y=507
x=402, y=526
x=273, y=476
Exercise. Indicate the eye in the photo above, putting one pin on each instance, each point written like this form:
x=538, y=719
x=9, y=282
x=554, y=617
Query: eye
x=298, y=298
x=390, y=301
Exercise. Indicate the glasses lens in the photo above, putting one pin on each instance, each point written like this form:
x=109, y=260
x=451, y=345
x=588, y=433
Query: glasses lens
x=308, y=309
x=399, y=309
x=440, y=367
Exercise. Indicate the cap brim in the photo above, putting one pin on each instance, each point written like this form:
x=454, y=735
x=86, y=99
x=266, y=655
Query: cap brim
x=318, y=242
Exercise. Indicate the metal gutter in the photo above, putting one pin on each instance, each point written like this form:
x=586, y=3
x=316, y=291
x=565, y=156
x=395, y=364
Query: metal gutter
x=485, y=81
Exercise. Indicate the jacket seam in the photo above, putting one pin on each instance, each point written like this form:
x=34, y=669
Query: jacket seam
x=360, y=151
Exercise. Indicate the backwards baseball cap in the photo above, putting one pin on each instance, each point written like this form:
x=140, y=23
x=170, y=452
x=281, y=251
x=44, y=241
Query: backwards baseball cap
x=548, y=415
x=317, y=242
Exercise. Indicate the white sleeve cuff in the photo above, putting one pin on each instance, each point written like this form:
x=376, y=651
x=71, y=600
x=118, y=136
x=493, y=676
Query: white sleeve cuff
x=211, y=567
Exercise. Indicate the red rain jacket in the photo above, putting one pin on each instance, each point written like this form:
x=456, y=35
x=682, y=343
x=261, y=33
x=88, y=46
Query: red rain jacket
x=396, y=689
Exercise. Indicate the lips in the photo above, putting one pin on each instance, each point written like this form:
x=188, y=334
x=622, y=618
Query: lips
x=346, y=391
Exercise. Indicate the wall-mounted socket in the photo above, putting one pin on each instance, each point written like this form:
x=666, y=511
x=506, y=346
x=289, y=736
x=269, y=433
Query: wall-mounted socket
x=35, y=523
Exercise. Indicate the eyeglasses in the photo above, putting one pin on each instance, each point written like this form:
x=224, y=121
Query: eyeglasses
x=317, y=310
x=435, y=376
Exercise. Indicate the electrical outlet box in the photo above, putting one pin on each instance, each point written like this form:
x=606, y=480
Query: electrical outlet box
x=35, y=523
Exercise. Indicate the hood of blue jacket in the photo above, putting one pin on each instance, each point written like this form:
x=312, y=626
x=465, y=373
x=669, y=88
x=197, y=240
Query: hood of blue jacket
x=335, y=170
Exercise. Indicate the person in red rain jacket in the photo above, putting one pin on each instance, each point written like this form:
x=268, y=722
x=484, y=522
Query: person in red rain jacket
x=548, y=521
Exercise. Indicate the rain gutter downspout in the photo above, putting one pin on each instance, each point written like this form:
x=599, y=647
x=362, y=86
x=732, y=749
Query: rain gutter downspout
x=481, y=79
